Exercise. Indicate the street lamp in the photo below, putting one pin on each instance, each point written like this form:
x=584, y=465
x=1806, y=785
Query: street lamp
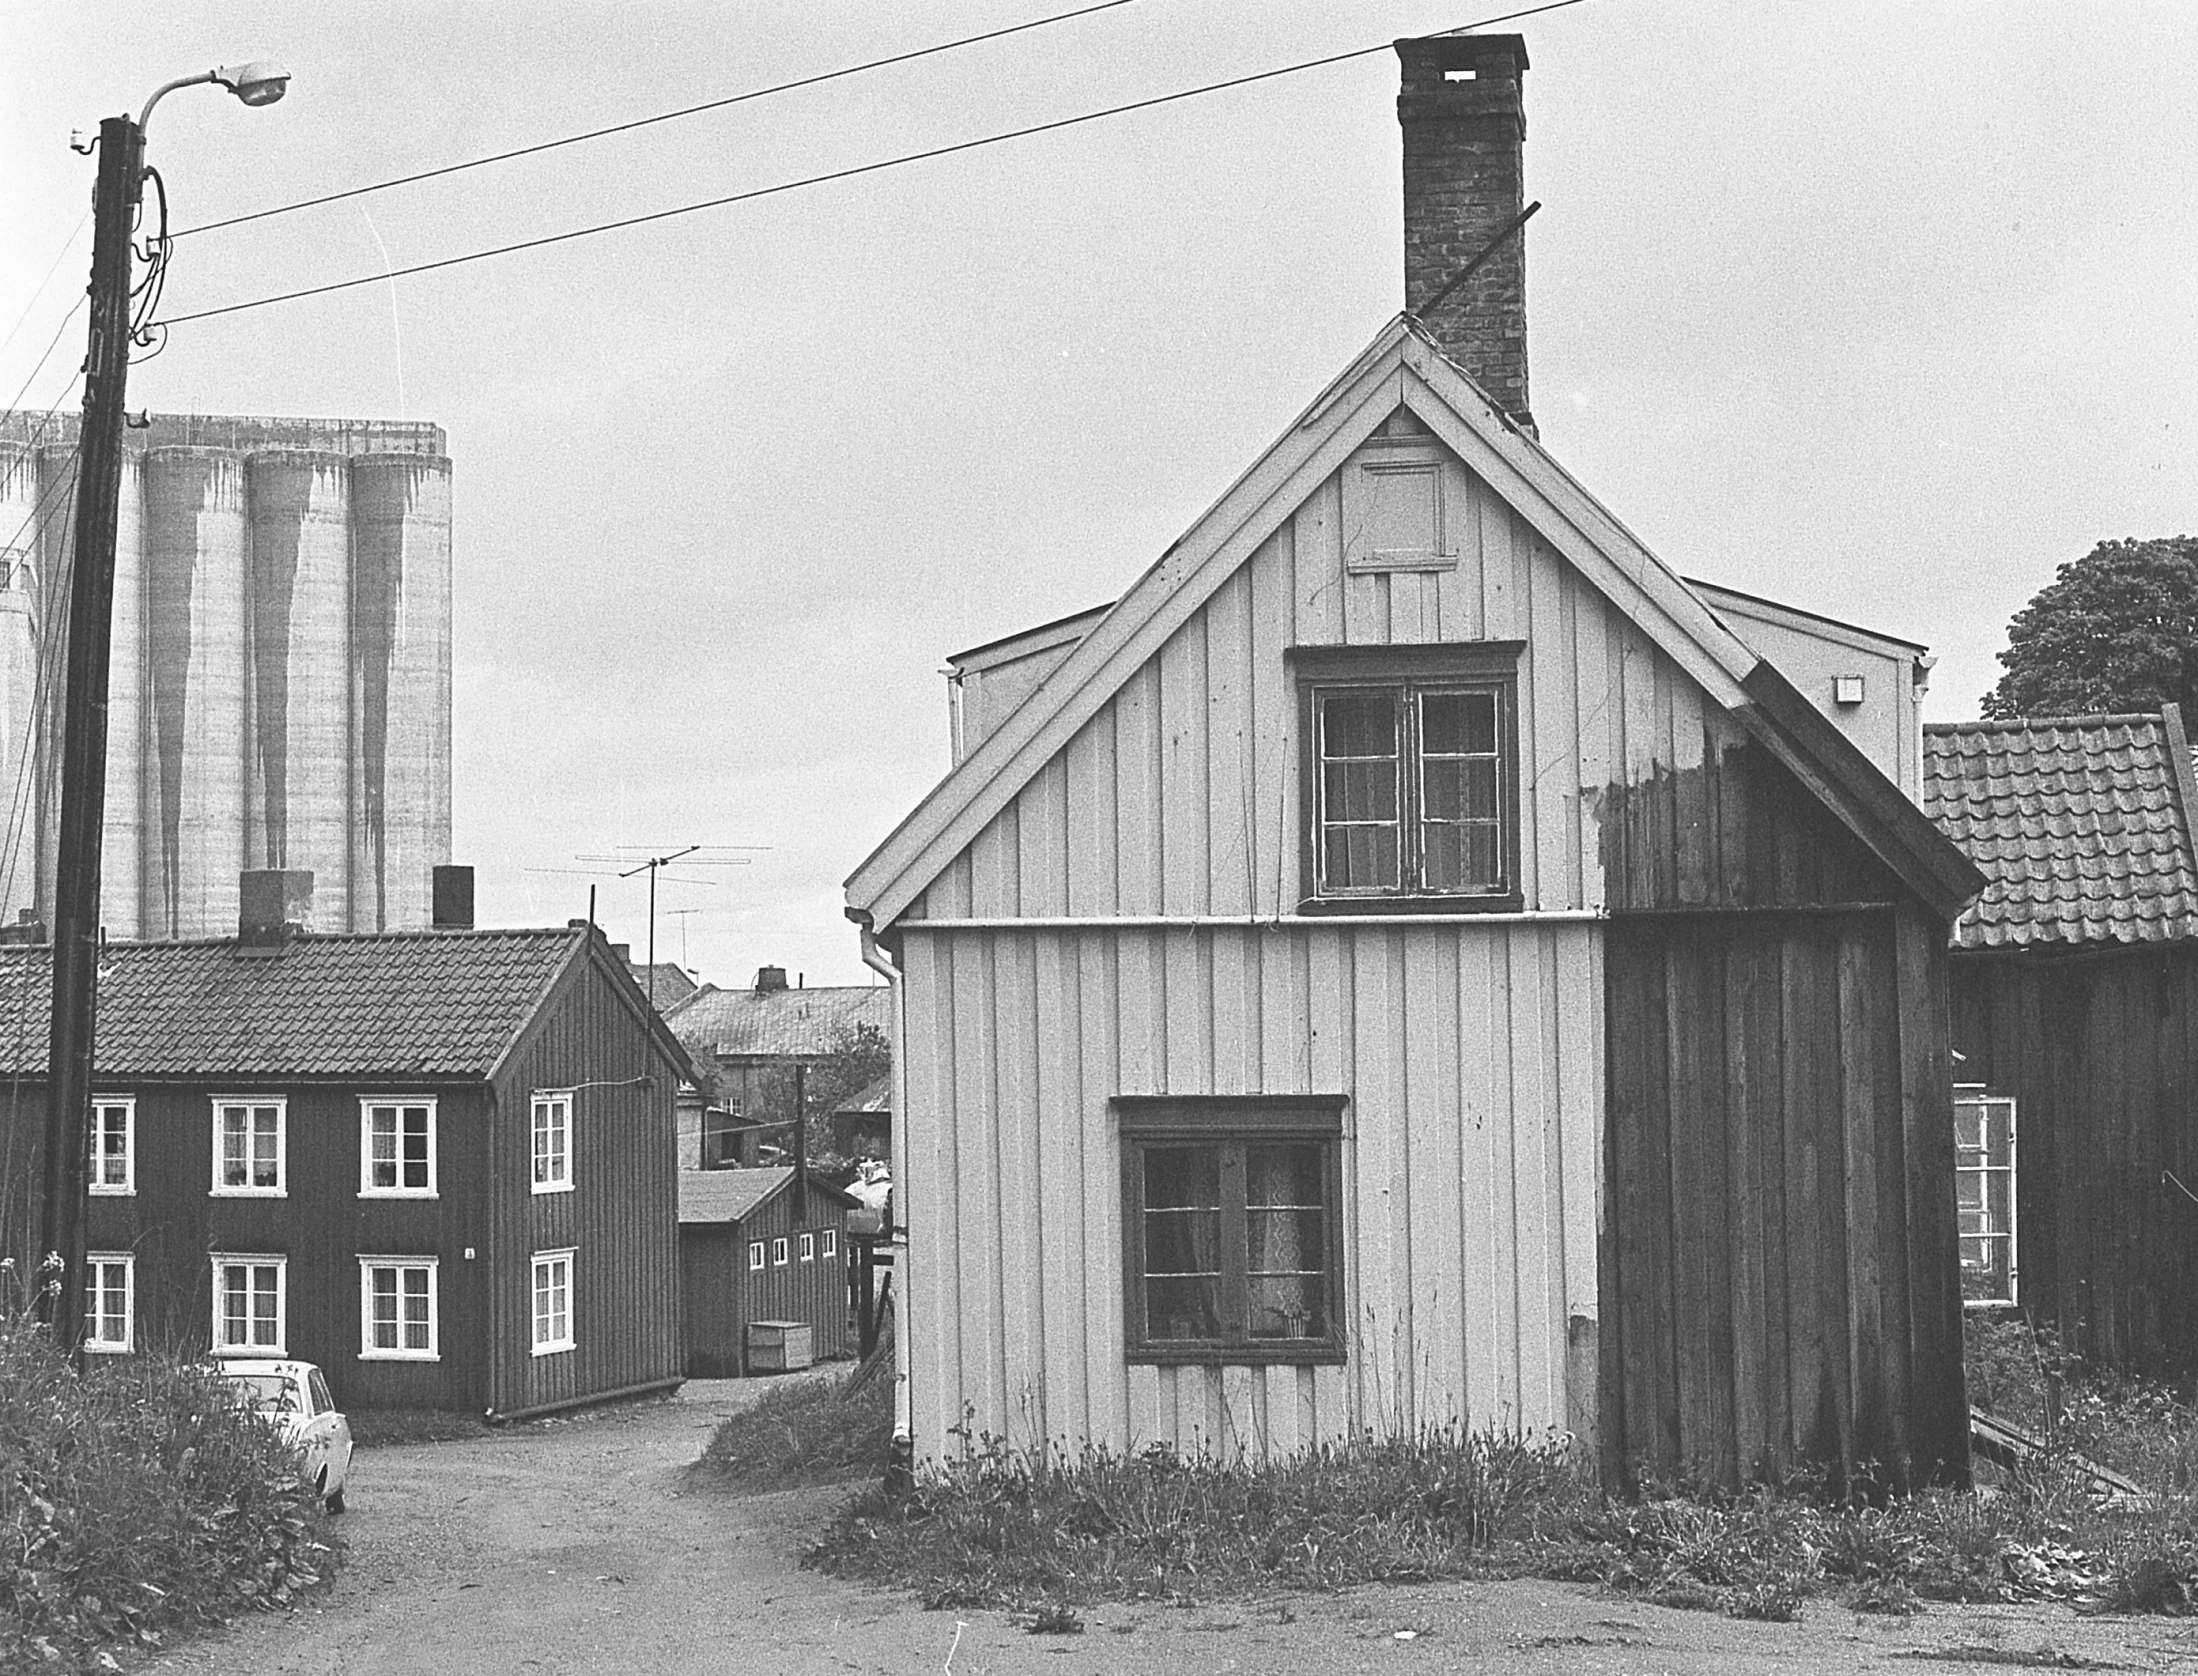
x=115, y=199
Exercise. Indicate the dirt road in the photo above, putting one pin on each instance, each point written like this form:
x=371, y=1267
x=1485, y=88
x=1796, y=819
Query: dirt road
x=580, y=1547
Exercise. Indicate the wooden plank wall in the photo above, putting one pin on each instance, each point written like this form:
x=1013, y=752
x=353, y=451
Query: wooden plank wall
x=1778, y=1244
x=621, y=1218
x=1470, y=1057
x=2100, y=1051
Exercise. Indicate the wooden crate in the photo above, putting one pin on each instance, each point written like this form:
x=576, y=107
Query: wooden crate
x=779, y=1346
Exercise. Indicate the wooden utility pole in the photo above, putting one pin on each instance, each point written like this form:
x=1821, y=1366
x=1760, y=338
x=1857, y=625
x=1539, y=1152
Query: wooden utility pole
x=84, y=731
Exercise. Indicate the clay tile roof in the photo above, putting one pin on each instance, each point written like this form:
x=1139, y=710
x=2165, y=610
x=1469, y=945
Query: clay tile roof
x=2079, y=823
x=793, y=1022
x=395, y=1004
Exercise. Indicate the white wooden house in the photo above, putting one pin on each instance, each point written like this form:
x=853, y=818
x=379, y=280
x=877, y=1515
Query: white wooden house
x=1408, y=960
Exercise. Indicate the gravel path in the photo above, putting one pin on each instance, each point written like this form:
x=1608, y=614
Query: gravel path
x=581, y=1547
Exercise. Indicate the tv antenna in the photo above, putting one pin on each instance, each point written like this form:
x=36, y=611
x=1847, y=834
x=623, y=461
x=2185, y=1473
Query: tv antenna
x=626, y=861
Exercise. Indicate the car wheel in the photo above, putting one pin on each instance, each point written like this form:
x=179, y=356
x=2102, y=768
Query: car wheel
x=335, y=1502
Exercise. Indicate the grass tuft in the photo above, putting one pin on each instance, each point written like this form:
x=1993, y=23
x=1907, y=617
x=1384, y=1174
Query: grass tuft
x=803, y=1432
x=134, y=1500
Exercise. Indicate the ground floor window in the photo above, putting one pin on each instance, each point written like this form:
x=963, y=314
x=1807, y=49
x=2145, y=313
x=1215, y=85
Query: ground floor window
x=552, y=1302
x=1984, y=1177
x=1233, y=1242
x=249, y=1303
x=110, y=1286
x=397, y=1314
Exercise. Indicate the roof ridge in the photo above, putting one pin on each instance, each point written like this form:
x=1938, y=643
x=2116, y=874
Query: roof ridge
x=1996, y=724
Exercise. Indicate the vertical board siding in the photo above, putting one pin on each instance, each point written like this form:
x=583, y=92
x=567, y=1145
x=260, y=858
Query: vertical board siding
x=621, y=1217
x=1182, y=795
x=1765, y=1095
x=2099, y=1051
x=1462, y=1251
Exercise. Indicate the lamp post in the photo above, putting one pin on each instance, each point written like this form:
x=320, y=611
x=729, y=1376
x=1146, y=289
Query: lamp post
x=115, y=199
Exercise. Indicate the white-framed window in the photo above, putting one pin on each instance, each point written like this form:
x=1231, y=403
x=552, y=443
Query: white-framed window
x=110, y=1300
x=831, y=1242
x=1984, y=1183
x=552, y=1301
x=114, y=1144
x=778, y=1253
x=248, y=1146
x=808, y=1248
x=755, y=1254
x=249, y=1304
x=397, y=1149
x=553, y=1141
x=397, y=1310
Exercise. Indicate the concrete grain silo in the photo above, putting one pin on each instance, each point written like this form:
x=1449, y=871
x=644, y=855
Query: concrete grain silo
x=279, y=687
x=298, y=811
x=400, y=686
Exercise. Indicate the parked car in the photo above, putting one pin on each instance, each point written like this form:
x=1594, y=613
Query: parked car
x=294, y=1395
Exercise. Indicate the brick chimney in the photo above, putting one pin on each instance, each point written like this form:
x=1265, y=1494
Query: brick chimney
x=1464, y=132
x=770, y=979
x=273, y=905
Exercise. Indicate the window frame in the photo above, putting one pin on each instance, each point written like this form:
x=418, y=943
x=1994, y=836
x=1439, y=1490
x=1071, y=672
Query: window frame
x=1479, y=666
x=368, y=1104
x=281, y=1188
x=102, y=1104
x=369, y=1351
x=1983, y=1095
x=1229, y=1121
x=808, y=1246
x=568, y=1256
x=280, y=1262
x=831, y=1242
x=559, y=1099
x=94, y=1261
x=778, y=1252
x=755, y=1257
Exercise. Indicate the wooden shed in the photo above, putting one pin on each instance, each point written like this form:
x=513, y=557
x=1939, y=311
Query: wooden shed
x=759, y=1245
x=2074, y=983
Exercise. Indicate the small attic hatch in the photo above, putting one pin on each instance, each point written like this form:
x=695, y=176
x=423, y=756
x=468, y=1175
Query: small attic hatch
x=1394, y=508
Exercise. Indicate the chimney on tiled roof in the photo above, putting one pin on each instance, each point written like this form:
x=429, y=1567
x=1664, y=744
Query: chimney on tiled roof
x=27, y=929
x=453, y=898
x=770, y=978
x=274, y=904
x=1464, y=187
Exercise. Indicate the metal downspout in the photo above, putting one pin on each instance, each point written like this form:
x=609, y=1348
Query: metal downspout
x=875, y=957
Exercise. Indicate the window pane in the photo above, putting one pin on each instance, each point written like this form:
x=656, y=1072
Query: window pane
x=1360, y=791
x=1287, y=1306
x=1183, y=1308
x=1453, y=724
x=1361, y=857
x=1359, y=724
x=1182, y=1242
x=1286, y=1253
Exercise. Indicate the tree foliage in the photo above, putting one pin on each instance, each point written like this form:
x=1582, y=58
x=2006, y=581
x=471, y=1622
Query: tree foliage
x=2116, y=630
x=859, y=1054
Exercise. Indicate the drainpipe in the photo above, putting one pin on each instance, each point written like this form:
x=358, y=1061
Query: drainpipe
x=902, y=1458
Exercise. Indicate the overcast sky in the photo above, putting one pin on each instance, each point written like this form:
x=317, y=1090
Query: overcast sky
x=1884, y=310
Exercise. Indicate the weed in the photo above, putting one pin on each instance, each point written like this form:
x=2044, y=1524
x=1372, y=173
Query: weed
x=809, y=1431
x=134, y=1499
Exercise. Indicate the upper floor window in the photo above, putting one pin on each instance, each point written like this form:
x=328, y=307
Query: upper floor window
x=1411, y=776
x=109, y=1298
x=114, y=1146
x=397, y=1148
x=1233, y=1206
x=248, y=1146
x=1984, y=1181
x=553, y=1142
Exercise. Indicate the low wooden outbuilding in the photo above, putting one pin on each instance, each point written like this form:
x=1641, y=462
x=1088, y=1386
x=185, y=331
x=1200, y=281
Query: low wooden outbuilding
x=759, y=1245
x=2074, y=984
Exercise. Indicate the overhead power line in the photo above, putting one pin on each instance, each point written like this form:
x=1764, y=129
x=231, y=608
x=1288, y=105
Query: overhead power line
x=832, y=175
x=650, y=121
